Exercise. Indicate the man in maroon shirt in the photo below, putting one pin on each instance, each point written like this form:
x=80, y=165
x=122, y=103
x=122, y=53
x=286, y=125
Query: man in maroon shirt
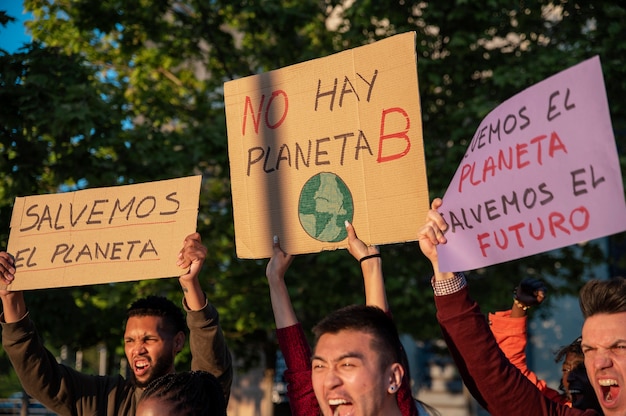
x=498, y=385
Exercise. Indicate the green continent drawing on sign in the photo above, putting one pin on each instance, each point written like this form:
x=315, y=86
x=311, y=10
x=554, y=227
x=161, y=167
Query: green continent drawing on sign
x=325, y=204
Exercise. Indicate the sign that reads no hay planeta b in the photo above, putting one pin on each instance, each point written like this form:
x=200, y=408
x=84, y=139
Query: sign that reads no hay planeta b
x=326, y=141
x=102, y=235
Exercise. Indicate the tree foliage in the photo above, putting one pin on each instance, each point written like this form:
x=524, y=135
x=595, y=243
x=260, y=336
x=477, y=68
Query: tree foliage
x=117, y=92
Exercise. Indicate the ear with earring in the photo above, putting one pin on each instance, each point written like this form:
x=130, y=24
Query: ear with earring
x=392, y=389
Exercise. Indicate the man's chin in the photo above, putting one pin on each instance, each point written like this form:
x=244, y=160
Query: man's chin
x=159, y=369
x=141, y=383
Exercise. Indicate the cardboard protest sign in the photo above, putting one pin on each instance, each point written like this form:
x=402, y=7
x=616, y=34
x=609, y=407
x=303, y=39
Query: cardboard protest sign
x=318, y=143
x=102, y=235
x=541, y=172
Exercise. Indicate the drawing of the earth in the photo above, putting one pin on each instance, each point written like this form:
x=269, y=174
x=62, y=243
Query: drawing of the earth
x=324, y=206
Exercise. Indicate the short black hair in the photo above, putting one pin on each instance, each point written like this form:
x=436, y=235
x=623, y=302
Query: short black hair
x=190, y=393
x=172, y=315
x=371, y=320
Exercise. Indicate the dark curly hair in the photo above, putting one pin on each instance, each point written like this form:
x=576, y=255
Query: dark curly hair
x=574, y=348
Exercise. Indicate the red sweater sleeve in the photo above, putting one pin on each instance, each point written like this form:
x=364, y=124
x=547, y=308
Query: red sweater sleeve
x=292, y=342
x=406, y=402
x=486, y=372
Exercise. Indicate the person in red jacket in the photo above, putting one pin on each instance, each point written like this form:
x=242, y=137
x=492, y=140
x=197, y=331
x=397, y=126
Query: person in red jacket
x=293, y=343
x=490, y=377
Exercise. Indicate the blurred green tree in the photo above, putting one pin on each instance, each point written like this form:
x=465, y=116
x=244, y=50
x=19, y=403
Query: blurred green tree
x=117, y=92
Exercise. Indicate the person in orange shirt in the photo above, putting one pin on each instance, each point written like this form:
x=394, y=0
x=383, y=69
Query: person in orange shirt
x=509, y=329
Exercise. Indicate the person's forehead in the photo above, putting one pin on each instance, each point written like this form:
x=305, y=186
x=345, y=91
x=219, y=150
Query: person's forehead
x=147, y=323
x=153, y=407
x=332, y=345
x=604, y=328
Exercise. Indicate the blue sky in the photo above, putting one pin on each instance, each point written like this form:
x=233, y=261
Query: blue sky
x=14, y=35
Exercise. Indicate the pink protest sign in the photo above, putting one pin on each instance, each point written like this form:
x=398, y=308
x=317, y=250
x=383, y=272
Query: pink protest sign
x=541, y=172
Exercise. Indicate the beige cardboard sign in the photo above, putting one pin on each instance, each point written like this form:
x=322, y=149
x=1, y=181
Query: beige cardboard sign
x=321, y=142
x=102, y=235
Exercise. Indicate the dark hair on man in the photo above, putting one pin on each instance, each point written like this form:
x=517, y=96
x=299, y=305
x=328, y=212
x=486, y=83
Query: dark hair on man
x=172, y=315
x=191, y=393
x=371, y=320
x=573, y=348
x=603, y=296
